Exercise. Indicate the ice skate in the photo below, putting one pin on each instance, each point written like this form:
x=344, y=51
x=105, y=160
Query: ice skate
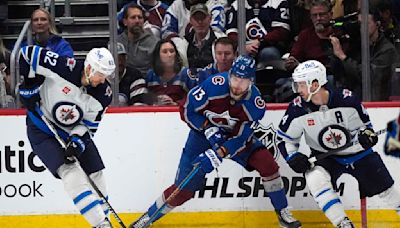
x=346, y=223
x=286, y=219
x=105, y=224
x=141, y=222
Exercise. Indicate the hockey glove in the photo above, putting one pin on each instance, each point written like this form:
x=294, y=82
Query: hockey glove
x=215, y=137
x=75, y=148
x=30, y=97
x=392, y=143
x=209, y=160
x=367, y=138
x=298, y=162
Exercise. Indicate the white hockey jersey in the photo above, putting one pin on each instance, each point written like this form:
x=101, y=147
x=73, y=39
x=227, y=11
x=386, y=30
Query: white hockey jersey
x=324, y=127
x=64, y=101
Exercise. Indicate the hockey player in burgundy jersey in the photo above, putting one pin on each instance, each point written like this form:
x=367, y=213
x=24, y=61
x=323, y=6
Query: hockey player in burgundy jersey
x=220, y=113
x=331, y=120
x=73, y=96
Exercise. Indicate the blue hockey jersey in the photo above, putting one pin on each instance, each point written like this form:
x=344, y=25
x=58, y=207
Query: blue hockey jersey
x=210, y=102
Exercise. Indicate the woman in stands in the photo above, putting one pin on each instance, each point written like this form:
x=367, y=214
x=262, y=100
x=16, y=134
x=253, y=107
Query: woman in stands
x=167, y=79
x=45, y=34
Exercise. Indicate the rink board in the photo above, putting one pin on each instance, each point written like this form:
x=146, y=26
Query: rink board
x=141, y=149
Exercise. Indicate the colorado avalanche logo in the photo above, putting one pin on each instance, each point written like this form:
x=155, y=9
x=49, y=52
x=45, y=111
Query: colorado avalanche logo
x=333, y=137
x=259, y=102
x=267, y=135
x=67, y=114
x=255, y=30
x=223, y=120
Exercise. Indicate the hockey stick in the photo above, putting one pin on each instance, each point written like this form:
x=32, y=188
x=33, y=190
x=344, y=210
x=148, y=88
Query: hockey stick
x=184, y=182
x=91, y=182
x=313, y=159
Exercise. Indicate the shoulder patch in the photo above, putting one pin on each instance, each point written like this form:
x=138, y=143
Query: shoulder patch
x=259, y=102
x=71, y=62
x=346, y=93
x=108, y=92
x=218, y=80
x=297, y=101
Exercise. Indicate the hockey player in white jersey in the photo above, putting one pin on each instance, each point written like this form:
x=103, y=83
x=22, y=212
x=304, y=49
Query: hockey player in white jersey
x=73, y=96
x=329, y=120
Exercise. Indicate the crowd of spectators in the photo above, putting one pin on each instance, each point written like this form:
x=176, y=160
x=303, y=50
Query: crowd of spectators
x=166, y=47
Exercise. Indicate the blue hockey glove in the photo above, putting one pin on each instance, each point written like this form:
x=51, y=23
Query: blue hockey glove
x=30, y=97
x=75, y=148
x=367, y=138
x=214, y=136
x=392, y=142
x=298, y=162
x=209, y=160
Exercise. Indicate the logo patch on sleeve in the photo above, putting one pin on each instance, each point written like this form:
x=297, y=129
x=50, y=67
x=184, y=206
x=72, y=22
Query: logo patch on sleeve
x=259, y=102
x=71, y=63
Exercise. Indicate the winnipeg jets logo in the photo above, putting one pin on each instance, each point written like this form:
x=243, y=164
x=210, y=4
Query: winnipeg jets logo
x=223, y=120
x=67, y=114
x=333, y=137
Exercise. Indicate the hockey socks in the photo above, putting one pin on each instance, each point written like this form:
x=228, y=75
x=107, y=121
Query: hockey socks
x=276, y=192
x=155, y=211
x=79, y=190
x=99, y=180
x=320, y=186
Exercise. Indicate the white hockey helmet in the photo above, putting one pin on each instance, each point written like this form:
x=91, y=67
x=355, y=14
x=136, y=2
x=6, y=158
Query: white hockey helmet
x=101, y=60
x=309, y=71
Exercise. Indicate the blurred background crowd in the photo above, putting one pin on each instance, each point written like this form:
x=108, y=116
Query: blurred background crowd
x=165, y=48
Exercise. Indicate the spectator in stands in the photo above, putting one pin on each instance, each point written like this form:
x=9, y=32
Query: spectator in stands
x=176, y=21
x=267, y=28
x=138, y=42
x=132, y=85
x=299, y=17
x=6, y=100
x=225, y=54
x=200, y=39
x=45, y=34
x=154, y=15
x=389, y=23
x=382, y=57
x=313, y=42
x=167, y=80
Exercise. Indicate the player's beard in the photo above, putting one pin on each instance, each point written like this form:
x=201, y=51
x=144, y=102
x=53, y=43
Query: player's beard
x=236, y=94
x=136, y=30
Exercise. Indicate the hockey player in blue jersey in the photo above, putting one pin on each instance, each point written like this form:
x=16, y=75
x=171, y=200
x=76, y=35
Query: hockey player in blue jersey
x=330, y=120
x=73, y=96
x=220, y=113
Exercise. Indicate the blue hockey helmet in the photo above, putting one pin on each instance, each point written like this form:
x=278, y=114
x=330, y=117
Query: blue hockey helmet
x=244, y=67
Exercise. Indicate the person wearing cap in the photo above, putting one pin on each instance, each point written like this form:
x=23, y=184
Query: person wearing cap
x=139, y=42
x=73, y=96
x=201, y=37
x=132, y=84
x=221, y=113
